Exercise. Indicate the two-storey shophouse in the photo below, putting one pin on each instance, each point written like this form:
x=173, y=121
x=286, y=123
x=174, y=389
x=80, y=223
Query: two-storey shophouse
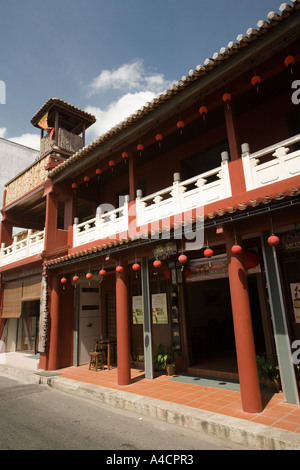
x=178, y=227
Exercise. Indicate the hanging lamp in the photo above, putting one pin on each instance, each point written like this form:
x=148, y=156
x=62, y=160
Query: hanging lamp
x=256, y=81
x=273, y=240
x=236, y=249
x=203, y=111
x=289, y=61
x=136, y=267
x=159, y=139
x=180, y=126
x=157, y=263
x=111, y=163
x=208, y=252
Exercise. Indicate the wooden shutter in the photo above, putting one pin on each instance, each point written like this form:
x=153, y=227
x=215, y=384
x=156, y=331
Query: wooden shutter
x=32, y=287
x=12, y=299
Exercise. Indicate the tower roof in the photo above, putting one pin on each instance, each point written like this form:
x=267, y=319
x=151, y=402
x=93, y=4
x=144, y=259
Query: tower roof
x=70, y=117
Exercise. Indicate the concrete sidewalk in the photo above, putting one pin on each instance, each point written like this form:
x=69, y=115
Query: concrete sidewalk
x=252, y=435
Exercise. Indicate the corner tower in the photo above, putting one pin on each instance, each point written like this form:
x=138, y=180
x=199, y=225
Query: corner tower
x=63, y=129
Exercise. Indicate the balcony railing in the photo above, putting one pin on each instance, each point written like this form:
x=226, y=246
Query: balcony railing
x=19, y=250
x=102, y=226
x=179, y=198
x=185, y=196
x=281, y=163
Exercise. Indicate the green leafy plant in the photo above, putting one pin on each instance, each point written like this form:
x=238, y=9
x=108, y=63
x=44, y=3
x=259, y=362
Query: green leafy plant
x=268, y=371
x=164, y=356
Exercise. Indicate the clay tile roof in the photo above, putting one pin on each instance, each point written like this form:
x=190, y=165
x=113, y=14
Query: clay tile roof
x=52, y=102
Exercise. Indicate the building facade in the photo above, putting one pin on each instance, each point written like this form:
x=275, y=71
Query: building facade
x=178, y=227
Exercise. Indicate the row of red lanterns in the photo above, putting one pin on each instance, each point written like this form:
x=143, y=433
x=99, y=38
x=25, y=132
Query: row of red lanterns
x=273, y=240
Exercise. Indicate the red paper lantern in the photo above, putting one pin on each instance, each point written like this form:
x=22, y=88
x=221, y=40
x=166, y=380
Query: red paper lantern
x=226, y=97
x=136, y=267
x=159, y=137
x=111, y=163
x=273, y=240
x=140, y=147
x=256, y=80
x=157, y=263
x=119, y=269
x=182, y=259
x=203, y=111
x=86, y=179
x=251, y=259
x=102, y=272
x=75, y=278
x=208, y=253
x=98, y=171
x=89, y=276
x=124, y=155
x=74, y=185
x=180, y=124
x=236, y=249
x=63, y=280
x=289, y=60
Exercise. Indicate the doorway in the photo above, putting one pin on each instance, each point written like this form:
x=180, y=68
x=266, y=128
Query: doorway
x=210, y=319
x=210, y=324
x=89, y=319
x=28, y=326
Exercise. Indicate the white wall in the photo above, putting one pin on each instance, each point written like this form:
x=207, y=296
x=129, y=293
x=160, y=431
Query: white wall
x=14, y=158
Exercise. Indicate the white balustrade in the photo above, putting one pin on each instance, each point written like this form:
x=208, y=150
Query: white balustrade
x=102, y=226
x=178, y=198
x=283, y=164
x=31, y=245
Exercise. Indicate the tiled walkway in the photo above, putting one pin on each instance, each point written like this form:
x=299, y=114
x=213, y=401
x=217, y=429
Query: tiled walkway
x=275, y=412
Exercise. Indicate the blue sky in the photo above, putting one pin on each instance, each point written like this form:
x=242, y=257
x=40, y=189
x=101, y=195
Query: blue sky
x=108, y=57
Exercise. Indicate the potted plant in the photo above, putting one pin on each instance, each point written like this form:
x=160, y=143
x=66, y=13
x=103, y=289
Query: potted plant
x=268, y=371
x=165, y=359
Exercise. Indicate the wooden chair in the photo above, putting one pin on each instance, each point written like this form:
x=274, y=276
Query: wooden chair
x=96, y=358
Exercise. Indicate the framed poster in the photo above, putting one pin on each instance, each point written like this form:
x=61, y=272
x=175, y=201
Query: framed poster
x=137, y=310
x=295, y=291
x=159, y=309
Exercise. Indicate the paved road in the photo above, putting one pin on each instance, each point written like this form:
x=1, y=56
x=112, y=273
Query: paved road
x=36, y=417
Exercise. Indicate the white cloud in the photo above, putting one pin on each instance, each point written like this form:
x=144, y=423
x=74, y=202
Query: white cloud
x=138, y=86
x=132, y=76
x=29, y=140
x=117, y=111
x=2, y=132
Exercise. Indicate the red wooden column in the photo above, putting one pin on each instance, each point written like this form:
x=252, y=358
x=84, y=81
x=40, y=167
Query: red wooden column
x=55, y=289
x=132, y=181
x=123, y=350
x=50, y=218
x=245, y=349
x=236, y=171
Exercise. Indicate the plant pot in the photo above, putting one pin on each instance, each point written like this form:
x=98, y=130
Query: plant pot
x=170, y=369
